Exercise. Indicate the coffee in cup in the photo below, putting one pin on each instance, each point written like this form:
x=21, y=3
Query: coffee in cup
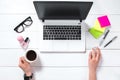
x=31, y=56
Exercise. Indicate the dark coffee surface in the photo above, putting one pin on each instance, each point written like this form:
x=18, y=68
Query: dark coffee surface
x=31, y=55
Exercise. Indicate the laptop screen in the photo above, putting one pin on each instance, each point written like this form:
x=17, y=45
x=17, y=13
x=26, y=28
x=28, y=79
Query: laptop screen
x=62, y=10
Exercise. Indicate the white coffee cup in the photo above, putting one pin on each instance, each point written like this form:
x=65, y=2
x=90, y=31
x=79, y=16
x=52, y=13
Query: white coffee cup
x=31, y=56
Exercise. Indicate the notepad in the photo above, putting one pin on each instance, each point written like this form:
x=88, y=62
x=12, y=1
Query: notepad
x=95, y=34
x=98, y=27
x=97, y=30
x=104, y=21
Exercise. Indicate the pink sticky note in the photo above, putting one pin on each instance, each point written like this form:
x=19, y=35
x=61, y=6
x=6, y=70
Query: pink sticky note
x=104, y=21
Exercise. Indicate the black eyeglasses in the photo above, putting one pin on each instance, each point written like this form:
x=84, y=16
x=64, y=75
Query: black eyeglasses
x=26, y=23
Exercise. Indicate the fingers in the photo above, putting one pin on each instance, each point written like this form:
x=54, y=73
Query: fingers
x=90, y=55
x=24, y=61
x=95, y=54
x=21, y=60
x=98, y=54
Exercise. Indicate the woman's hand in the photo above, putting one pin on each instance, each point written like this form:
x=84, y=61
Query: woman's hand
x=94, y=58
x=25, y=66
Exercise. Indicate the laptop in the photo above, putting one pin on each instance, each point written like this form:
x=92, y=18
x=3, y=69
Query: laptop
x=62, y=25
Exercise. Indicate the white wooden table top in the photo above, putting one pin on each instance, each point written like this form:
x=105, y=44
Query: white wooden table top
x=56, y=66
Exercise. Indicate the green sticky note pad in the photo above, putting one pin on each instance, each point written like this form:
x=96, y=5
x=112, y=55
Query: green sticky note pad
x=96, y=34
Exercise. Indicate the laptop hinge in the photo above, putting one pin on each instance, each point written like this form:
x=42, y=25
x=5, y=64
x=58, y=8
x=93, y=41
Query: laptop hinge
x=80, y=20
x=43, y=20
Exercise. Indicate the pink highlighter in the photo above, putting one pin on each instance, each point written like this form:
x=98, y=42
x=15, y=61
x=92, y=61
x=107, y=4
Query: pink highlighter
x=23, y=43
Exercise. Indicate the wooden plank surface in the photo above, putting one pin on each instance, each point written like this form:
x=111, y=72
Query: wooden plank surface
x=56, y=66
x=10, y=40
x=10, y=57
x=60, y=73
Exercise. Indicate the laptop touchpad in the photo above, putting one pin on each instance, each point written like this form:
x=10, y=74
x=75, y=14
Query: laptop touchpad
x=60, y=45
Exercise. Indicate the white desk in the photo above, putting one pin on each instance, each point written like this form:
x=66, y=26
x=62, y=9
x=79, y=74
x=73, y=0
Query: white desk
x=56, y=66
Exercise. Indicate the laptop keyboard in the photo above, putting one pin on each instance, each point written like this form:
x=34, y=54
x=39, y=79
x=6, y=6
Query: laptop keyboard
x=61, y=32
